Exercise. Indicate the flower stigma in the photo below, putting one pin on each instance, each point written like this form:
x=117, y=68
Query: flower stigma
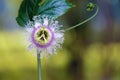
x=43, y=35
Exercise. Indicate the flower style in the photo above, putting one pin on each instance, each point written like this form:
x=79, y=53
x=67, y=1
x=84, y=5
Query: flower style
x=45, y=34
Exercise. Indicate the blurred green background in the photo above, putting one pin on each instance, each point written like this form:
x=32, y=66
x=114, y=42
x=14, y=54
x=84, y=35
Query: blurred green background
x=90, y=52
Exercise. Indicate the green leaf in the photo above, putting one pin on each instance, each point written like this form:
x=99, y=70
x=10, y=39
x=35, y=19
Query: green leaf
x=54, y=8
x=27, y=10
x=31, y=8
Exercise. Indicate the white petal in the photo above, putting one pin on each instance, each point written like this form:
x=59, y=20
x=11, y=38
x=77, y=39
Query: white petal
x=30, y=47
x=59, y=35
x=37, y=24
x=39, y=50
x=45, y=22
x=50, y=50
x=29, y=30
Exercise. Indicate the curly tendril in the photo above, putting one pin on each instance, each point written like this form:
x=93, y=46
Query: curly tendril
x=90, y=7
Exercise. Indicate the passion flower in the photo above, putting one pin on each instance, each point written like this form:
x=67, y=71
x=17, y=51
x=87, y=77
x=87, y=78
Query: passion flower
x=45, y=34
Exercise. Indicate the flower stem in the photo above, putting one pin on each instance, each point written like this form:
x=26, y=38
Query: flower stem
x=84, y=20
x=39, y=65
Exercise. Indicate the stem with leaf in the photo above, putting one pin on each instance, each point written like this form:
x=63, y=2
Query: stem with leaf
x=97, y=9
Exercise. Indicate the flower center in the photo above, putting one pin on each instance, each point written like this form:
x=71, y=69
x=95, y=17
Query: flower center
x=43, y=35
